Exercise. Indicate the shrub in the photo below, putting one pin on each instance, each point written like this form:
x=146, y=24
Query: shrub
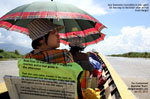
x=1, y=50
x=17, y=52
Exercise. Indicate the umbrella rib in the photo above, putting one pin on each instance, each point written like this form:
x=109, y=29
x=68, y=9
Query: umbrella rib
x=65, y=27
x=56, y=11
x=74, y=19
x=64, y=24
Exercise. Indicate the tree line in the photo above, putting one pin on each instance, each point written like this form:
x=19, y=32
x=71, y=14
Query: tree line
x=133, y=54
x=10, y=54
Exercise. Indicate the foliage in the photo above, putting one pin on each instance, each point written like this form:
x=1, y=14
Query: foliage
x=134, y=54
x=1, y=50
x=16, y=52
x=5, y=54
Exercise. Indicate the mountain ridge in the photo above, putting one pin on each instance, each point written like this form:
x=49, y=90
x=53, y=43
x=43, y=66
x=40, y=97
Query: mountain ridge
x=13, y=47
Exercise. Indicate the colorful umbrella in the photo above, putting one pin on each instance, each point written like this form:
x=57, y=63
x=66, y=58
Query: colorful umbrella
x=77, y=22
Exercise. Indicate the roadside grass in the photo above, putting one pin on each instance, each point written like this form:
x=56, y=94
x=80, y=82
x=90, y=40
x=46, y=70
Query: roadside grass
x=9, y=55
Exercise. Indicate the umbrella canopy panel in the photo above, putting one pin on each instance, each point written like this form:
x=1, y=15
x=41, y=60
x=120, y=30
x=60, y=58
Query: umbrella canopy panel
x=67, y=23
x=77, y=22
x=47, y=10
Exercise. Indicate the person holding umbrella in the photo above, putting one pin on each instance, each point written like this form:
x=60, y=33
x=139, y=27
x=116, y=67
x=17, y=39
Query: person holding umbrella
x=45, y=40
x=44, y=35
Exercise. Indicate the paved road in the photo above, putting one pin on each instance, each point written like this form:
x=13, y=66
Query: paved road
x=8, y=68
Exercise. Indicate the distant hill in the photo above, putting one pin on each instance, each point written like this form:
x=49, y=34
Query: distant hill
x=133, y=54
x=13, y=47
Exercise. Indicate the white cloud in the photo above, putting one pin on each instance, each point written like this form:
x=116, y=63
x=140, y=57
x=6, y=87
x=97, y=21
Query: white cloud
x=1, y=38
x=131, y=39
x=0, y=35
x=89, y=6
x=14, y=38
x=3, y=10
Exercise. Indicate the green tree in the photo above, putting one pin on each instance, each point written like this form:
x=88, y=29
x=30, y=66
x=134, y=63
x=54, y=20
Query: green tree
x=17, y=52
x=1, y=50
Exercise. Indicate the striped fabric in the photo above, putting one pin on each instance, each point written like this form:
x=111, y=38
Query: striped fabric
x=63, y=14
x=76, y=42
x=96, y=30
x=48, y=14
x=52, y=56
x=9, y=26
x=40, y=27
x=94, y=41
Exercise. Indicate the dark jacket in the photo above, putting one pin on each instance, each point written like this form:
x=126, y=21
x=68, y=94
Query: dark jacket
x=83, y=60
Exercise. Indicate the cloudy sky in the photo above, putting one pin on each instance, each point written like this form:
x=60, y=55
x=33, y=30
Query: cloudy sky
x=127, y=30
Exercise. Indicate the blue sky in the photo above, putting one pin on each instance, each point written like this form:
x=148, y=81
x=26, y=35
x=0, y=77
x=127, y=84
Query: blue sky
x=127, y=30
